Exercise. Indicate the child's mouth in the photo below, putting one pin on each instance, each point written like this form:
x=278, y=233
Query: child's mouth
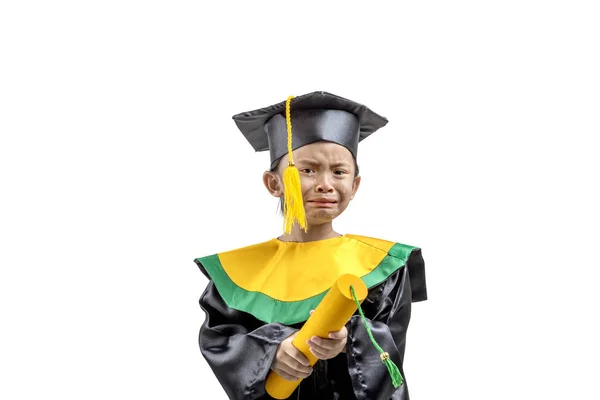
x=322, y=203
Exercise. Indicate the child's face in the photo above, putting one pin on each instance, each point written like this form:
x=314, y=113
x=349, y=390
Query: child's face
x=327, y=176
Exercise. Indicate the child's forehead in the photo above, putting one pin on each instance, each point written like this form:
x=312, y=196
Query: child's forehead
x=323, y=151
x=318, y=153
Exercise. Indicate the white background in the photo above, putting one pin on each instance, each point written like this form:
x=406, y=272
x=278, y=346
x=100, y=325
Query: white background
x=120, y=164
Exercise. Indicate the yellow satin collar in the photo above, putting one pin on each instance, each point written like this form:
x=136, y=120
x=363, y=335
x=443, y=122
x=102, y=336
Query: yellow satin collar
x=294, y=271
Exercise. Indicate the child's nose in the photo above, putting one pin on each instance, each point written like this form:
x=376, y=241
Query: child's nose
x=323, y=185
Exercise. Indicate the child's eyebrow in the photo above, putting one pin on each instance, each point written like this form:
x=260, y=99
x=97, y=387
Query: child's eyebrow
x=312, y=163
x=340, y=164
x=307, y=161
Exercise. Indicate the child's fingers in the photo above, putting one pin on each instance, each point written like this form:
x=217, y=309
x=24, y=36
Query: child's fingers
x=298, y=370
x=293, y=367
x=339, y=335
x=324, y=344
x=298, y=367
x=286, y=376
x=292, y=374
x=298, y=357
x=326, y=355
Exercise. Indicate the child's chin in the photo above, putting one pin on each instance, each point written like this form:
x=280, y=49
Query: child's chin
x=321, y=217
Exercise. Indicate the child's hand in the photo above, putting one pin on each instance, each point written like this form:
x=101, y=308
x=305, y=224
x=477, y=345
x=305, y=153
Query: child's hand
x=325, y=349
x=289, y=363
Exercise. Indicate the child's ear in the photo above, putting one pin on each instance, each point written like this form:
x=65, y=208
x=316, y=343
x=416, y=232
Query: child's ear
x=273, y=184
x=355, y=186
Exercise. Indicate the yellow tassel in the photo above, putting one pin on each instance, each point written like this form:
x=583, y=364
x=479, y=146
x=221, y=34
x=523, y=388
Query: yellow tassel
x=293, y=204
x=292, y=191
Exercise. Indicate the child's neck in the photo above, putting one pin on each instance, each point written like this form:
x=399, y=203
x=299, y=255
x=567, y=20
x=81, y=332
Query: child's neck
x=313, y=233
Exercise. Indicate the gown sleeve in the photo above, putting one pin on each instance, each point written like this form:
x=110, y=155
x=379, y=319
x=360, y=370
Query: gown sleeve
x=238, y=348
x=389, y=306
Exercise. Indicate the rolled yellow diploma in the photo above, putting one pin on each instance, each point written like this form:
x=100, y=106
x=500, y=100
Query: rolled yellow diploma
x=332, y=313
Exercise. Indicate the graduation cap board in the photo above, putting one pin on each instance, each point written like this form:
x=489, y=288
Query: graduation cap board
x=312, y=117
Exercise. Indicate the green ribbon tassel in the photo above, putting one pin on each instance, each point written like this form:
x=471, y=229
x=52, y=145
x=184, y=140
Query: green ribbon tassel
x=385, y=357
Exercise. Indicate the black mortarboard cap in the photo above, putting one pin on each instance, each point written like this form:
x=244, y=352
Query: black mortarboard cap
x=314, y=116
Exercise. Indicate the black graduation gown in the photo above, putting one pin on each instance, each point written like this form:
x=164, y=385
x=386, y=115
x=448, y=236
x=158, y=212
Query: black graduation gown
x=240, y=349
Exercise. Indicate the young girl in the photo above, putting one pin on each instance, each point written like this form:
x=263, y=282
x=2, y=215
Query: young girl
x=259, y=296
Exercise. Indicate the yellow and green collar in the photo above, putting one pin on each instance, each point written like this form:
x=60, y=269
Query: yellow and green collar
x=281, y=282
